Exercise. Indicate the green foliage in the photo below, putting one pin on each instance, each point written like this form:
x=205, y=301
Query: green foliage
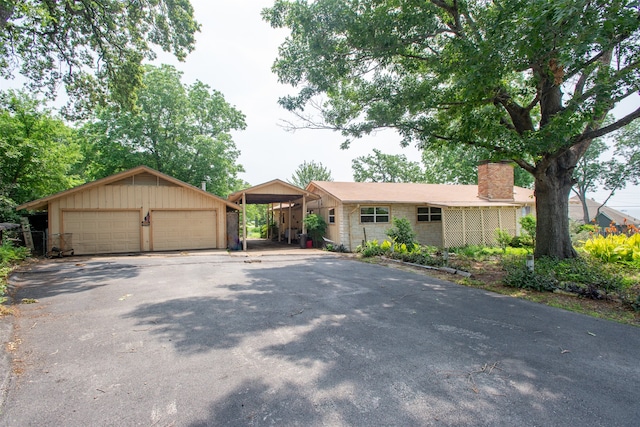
x=94, y=48
x=38, y=153
x=401, y=232
x=307, y=172
x=614, y=248
x=381, y=167
x=183, y=131
x=583, y=276
x=503, y=237
x=264, y=229
x=413, y=253
x=479, y=252
x=316, y=228
x=528, y=223
x=10, y=255
x=528, y=81
x=459, y=165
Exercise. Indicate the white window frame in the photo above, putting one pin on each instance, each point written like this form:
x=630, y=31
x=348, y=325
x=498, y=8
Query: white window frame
x=331, y=216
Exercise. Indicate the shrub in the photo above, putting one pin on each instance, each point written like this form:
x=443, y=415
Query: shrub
x=528, y=223
x=584, y=276
x=614, y=248
x=316, y=227
x=401, y=232
x=9, y=256
x=503, y=238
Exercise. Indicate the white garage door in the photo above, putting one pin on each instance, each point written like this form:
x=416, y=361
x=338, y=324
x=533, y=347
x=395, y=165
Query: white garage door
x=102, y=232
x=183, y=229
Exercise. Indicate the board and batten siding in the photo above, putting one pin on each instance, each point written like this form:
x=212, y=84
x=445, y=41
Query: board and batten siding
x=146, y=198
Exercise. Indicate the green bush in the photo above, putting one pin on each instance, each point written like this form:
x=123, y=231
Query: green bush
x=528, y=223
x=401, y=232
x=615, y=248
x=316, y=228
x=10, y=255
x=584, y=276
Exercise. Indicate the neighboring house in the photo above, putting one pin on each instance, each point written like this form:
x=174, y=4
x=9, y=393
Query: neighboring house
x=133, y=211
x=441, y=215
x=603, y=218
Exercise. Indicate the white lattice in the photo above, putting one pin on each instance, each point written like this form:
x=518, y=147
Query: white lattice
x=476, y=226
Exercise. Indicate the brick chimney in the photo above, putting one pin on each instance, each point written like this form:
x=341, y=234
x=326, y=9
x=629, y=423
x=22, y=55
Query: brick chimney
x=495, y=181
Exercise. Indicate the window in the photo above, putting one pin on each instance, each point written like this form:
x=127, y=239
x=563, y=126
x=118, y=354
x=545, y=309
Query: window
x=429, y=214
x=332, y=216
x=374, y=214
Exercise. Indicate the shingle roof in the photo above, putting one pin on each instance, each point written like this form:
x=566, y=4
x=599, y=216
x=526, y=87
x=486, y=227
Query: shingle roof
x=575, y=212
x=445, y=195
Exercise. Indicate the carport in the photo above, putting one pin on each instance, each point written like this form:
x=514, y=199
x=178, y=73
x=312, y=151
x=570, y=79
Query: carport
x=287, y=196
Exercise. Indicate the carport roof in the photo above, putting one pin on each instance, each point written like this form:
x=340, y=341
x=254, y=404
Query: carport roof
x=43, y=203
x=275, y=191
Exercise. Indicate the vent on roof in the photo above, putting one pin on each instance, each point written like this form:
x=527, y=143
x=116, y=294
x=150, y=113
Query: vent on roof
x=495, y=181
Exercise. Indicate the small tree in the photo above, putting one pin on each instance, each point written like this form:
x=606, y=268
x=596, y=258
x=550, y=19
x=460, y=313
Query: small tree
x=316, y=227
x=401, y=232
x=307, y=172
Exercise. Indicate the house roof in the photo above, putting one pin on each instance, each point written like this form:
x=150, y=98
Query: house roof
x=43, y=203
x=576, y=214
x=444, y=195
x=275, y=191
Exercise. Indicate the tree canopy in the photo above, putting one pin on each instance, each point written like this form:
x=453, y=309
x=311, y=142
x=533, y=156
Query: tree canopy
x=38, y=153
x=95, y=48
x=183, y=131
x=530, y=81
x=459, y=165
x=380, y=167
x=310, y=171
x=610, y=168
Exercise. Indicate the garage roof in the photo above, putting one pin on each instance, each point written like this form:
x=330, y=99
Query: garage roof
x=275, y=191
x=145, y=171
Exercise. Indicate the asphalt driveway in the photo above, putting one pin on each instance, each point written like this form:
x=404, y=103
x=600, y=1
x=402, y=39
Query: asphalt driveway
x=214, y=339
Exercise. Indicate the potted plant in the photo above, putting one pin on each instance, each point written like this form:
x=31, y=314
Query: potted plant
x=316, y=227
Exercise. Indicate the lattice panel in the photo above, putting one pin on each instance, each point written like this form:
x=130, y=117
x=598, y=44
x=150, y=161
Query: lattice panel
x=476, y=226
x=473, y=230
x=491, y=221
x=453, y=228
x=508, y=218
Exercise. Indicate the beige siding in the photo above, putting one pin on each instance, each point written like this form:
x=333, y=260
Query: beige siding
x=142, y=197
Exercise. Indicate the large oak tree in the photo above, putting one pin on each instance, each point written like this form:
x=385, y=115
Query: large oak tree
x=528, y=80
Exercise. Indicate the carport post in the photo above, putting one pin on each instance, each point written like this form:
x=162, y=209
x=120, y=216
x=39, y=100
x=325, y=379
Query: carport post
x=244, y=222
x=279, y=221
x=289, y=225
x=304, y=213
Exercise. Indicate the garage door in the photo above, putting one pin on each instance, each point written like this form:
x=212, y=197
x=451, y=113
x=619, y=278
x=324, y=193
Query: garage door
x=101, y=232
x=183, y=229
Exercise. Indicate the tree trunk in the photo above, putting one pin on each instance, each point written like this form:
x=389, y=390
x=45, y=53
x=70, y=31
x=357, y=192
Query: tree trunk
x=552, y=188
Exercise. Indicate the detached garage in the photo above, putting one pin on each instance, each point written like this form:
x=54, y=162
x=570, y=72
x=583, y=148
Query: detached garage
x=135, y=211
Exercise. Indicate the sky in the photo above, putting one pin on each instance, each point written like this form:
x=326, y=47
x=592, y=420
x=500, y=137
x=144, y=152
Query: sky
x=234, y=54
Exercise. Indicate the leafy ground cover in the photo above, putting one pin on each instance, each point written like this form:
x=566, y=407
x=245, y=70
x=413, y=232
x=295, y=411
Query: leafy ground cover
x=10, y=256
